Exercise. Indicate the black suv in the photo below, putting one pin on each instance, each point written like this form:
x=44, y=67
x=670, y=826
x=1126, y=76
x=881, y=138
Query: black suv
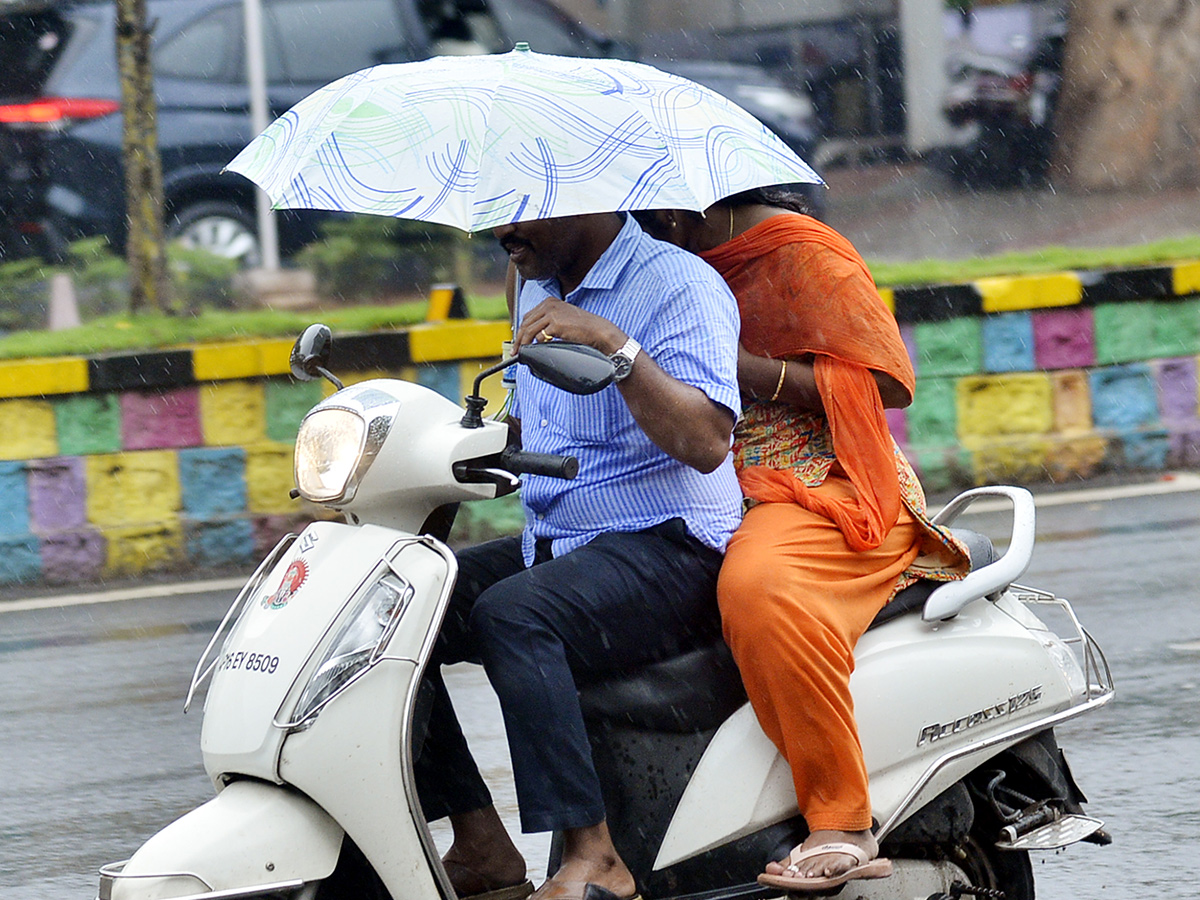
x=60, y=127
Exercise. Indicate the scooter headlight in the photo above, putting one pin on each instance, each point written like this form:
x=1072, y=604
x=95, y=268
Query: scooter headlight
x=329, y=448
x=358, y=643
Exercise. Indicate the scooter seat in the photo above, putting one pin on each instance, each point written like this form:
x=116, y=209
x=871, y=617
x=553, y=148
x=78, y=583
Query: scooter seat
x=913, y=597
x=699, y=689
x=682, y=695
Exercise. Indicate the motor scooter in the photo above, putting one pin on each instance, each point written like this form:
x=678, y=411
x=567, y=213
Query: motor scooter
x=1002, y=110
x=313, y=683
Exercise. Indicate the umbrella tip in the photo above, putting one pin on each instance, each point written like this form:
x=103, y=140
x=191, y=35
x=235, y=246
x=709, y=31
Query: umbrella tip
x=521, y=47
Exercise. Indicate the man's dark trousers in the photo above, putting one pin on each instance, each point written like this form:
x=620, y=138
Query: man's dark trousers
x=617, y=603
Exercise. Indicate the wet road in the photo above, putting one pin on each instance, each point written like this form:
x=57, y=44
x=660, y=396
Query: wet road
x=96, y=754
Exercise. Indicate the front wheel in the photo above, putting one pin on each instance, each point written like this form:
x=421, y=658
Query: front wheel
x=353, y=879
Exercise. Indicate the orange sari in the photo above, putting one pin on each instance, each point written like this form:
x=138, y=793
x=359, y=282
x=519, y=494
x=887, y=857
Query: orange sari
x=792, y=307
x=838, y=525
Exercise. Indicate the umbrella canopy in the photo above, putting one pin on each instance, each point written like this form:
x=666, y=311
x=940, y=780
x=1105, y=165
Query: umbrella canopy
x=481, y=141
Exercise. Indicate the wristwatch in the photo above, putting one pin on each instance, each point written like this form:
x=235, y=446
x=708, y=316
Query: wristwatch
x=623, y=359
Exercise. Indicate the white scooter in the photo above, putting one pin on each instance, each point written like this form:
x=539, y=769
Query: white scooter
x=307, y=731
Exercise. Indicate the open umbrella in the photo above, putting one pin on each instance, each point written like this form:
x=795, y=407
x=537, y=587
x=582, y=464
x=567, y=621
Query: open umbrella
x=480, y=141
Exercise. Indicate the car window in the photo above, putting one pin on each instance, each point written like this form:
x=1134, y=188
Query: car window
x=88, y=65
x=208, y=49
x=320, y=40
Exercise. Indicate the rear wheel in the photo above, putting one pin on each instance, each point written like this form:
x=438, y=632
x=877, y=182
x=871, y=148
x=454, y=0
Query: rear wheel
x=219, y=226
x=1008, y=872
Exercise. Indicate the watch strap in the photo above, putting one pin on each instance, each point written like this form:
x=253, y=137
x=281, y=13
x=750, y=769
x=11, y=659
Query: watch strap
x=624, y=357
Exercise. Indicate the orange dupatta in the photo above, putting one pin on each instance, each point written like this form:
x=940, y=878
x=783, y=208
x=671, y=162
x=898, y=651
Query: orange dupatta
x=802, y=288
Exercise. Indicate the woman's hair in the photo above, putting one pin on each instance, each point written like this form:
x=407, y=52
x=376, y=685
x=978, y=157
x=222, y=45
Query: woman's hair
x=777, y=197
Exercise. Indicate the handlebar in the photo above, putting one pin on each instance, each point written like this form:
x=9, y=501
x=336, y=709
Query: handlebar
x=503, y=468
x=551, y=464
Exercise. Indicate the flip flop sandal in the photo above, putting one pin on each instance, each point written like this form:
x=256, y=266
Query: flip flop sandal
x=793, y=881
x=459, y=873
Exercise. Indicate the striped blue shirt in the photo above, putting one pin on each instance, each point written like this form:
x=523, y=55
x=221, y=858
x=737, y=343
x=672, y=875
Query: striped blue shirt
x=686, y=319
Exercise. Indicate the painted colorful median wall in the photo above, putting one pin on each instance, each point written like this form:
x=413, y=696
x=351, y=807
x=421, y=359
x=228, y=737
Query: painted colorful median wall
x=126, y=464
x=1052, y=377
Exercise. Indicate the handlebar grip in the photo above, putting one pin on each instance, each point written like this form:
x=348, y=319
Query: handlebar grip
x=550, y=464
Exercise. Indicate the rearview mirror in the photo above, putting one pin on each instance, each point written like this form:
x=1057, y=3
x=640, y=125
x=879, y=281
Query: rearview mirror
x=575, y=368
x=310, y=355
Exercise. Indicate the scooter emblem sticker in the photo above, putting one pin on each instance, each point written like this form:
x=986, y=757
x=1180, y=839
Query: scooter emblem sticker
x=293, y=579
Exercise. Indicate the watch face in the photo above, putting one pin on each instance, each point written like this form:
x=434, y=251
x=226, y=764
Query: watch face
x=624, y=366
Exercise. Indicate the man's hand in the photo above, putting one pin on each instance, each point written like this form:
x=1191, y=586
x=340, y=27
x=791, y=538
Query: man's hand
x=554, y=319
x=679, y=418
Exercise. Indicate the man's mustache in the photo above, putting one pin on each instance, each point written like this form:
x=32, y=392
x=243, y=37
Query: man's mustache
x=509, y=244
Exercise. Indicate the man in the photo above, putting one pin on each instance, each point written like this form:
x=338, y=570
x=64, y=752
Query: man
x=615, y=569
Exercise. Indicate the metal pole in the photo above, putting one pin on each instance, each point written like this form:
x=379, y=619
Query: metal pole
x=924, y=46
x=256, y=80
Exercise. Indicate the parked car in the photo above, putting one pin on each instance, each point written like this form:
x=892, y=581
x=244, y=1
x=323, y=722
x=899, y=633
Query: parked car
x=61, y=131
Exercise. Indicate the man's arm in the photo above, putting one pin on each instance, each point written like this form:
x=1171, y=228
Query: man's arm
x=679, y=418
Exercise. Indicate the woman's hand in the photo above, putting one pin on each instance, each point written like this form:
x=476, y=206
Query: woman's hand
x=764, y=378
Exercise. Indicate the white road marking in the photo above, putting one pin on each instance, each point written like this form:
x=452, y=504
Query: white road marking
x=134, y=593
x=1175, y=483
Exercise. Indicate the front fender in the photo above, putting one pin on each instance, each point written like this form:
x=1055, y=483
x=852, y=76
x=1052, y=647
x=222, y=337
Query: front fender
x=250, y=837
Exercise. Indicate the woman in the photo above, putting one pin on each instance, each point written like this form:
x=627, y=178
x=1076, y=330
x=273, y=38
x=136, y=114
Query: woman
x=836, y=522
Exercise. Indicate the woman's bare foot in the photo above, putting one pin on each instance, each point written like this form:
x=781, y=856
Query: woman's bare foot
x=827, y=865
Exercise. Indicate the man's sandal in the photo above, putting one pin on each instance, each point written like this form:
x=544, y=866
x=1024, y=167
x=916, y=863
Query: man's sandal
x=481, y=887
x=578, y=890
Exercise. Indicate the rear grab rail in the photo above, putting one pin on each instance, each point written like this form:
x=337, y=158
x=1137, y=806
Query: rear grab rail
x=949, y=599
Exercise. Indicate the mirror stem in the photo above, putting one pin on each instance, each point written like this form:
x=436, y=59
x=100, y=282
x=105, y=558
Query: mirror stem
x=473, y=418
x=333, y=379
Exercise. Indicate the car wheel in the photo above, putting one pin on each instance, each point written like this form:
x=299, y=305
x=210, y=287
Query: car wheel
x=220, y=227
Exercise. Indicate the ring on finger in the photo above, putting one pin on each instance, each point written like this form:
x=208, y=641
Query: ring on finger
x=545, y=335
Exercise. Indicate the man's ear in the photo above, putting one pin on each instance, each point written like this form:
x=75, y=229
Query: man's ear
x=659, y=223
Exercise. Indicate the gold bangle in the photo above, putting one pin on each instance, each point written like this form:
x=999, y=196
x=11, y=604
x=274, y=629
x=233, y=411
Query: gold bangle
x=779, y=384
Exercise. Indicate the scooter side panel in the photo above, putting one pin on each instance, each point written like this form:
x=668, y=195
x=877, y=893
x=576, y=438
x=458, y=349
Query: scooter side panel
x=909, y=676
x=274, y=638
x=365, y=784
x=928, y=696
x=741, y=784
x=250, y=834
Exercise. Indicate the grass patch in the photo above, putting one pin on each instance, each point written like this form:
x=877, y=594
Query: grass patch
x=123, y=333
x=1034, y=262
